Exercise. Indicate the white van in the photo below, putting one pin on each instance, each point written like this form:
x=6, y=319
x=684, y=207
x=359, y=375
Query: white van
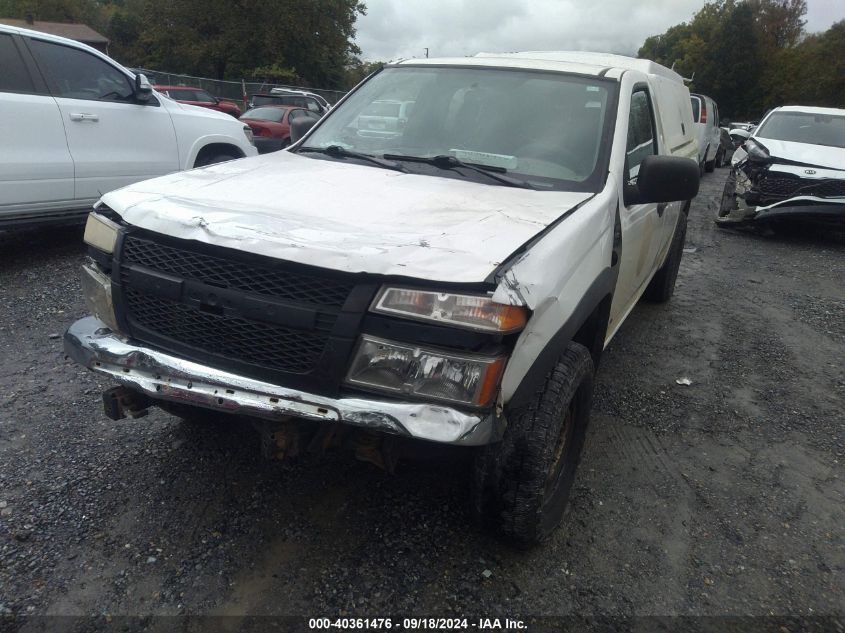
x=455, y=282
x=705, y=113
x=74, y=125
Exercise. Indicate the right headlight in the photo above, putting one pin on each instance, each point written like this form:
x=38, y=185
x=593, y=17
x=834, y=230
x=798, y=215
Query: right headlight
x=428, y=373
x=96, y=288
x=757, y=152
x=100, y=232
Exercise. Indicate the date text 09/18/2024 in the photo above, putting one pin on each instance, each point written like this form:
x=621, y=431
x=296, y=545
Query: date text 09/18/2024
x=414, y=624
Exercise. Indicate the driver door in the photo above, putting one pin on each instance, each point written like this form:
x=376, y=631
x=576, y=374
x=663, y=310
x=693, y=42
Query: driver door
x=641, y=223
x=113, y=139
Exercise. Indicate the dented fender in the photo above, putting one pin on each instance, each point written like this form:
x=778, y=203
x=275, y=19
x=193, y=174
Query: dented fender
x=562, y=278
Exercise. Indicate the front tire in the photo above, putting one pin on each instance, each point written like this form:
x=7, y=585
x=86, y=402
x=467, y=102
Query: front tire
x=211, y=159
x=521, y=485
x=662, y=286
x=710, y=165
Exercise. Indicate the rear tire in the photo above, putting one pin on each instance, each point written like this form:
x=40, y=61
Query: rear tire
x=522, y=484
x=710, y=165
x=662, y=285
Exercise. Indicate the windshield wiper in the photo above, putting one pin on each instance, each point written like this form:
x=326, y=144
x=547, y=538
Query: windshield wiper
x=444, y=161
x=338, y=151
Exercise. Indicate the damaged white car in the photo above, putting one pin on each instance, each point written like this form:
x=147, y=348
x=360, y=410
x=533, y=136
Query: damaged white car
x=455, y=282
x=791, y=169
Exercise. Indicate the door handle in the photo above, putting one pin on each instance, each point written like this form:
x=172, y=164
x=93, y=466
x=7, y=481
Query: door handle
x=83, y=116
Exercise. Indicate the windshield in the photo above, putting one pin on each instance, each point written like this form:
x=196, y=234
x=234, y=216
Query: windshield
x=803, y=127
x=382, y=108
x=265, y=114
x=542, y=127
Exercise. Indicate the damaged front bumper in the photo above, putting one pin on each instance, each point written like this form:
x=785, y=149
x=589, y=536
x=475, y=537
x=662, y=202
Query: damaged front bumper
x=91, y=343
x=757, y=195
x=802, y=208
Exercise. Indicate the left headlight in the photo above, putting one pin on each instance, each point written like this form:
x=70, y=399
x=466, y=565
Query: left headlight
x=429, y=373
x=100, y=232
x=467, y=311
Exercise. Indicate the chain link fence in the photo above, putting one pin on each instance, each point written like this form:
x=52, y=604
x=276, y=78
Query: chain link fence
x=232, y=90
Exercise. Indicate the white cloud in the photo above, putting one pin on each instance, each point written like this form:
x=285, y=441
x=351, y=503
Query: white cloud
x=404, y=28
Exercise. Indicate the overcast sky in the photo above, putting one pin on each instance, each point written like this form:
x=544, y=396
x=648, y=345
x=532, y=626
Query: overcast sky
x=395, y=29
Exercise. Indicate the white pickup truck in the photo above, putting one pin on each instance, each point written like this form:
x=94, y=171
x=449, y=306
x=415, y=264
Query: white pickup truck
x=74, y=124
x=455, y=283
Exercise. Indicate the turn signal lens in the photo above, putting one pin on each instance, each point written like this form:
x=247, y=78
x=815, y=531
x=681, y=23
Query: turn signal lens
x=472, y=312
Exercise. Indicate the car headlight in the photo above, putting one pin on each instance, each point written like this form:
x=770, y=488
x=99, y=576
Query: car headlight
x=100, y=232
x=96, y=288
x=249, y=135
x=472, y=312
x=402, y=368
x=757, y=152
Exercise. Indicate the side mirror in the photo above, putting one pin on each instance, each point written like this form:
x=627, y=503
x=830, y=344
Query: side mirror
x=664, y=179
x=143, y=89
x=299, y=128
x=738, y=131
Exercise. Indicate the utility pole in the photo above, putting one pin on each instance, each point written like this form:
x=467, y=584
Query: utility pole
x=426, y=52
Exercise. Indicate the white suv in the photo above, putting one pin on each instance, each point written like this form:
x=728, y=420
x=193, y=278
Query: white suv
x=75, y=124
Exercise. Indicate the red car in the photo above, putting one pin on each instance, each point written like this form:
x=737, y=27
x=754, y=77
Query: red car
x=199, y=97
x=271, y=125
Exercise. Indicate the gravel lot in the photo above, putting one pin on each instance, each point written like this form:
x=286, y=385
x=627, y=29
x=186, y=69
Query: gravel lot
x=726, y=496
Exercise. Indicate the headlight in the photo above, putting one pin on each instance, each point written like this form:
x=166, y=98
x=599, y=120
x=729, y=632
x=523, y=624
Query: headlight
x=96, y=288
x=100, y=232
x=249, y=135
x=472, y=312
x=756, y=151
x=401, y=368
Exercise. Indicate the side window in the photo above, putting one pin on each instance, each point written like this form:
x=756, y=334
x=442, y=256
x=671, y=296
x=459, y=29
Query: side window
x=295, y=114
x=76, y=74
x=312, y=105
x=14, y=77
x=641, y=138
x=203, y=97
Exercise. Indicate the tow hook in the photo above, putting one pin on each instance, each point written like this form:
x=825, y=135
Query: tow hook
x=122, y=402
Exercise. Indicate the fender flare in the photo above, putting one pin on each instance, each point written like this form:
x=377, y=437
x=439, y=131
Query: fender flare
x=211, y=139
x=601, y=288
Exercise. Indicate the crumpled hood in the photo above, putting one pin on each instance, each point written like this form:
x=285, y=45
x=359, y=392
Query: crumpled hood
x=814, y=155
x=345, y=216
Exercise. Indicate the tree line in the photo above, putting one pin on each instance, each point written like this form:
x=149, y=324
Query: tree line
x=306, y=42
x=753, y=55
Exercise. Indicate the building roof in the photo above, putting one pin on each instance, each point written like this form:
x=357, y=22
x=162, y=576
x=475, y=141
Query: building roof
x=78, y=32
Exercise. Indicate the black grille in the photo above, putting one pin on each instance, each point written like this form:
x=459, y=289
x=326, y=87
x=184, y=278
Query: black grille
x=267, y=319
x=779, y=186
x=237, y=275
x=270, y=346
x=787, y=187
x=825, y=189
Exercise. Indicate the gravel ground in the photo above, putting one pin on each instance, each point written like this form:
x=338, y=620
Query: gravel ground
x=724, y=497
